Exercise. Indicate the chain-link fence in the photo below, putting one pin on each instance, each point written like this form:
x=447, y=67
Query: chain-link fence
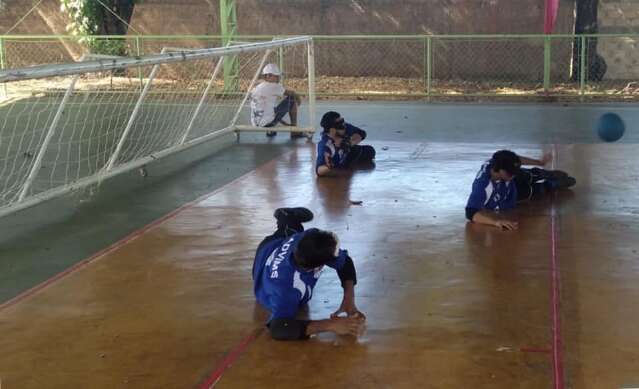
x=416, y=66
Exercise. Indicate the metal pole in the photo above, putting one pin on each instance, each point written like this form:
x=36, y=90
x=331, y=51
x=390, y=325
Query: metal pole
x=201, y=104
x=129, y=124
x=139, y=53
x=228, y=27
x=547, y=48
x=3, y=65
x=280, y=58
x=311, y=84
x=429, y=66
x=582, y=66
x=73, y=68
x=45, y=145
x=248, y=91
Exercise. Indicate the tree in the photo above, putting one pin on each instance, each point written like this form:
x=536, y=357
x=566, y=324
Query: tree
x=586, y=23
x=98, y=17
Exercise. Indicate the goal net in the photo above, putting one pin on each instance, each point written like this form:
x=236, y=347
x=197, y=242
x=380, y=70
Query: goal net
x=69, y=126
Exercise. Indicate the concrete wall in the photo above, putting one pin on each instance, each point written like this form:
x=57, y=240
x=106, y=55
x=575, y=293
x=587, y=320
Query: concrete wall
x=336, y=17
x=621, y=54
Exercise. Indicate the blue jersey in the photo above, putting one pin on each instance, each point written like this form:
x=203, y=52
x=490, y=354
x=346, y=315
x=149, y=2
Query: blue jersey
x=489, y=194
x=326, y=150
x=280, y=285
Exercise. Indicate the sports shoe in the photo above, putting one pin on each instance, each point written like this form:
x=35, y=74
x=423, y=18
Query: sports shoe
x=296, y=215
x=271, y=134
x=558, y=174
x=562, y=182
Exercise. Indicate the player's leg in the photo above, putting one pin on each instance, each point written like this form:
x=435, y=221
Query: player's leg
x=524, y=183
x=360, y=156
x=280, y=111
x=289, y=222
x=289, y=105
x=553, y=179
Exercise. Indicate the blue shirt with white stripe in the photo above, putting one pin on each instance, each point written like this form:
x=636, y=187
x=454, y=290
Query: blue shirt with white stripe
x=326, y=148
x=491, y=194
x=279, y=284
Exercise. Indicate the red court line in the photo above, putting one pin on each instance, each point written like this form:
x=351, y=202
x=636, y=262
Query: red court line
x=130, y=237
x=230, y=359
x=555, y=285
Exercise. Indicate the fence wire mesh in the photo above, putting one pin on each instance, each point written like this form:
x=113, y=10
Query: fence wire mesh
x=519, y=67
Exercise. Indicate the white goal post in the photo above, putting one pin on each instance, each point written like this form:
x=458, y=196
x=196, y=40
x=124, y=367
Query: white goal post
x=65, y=127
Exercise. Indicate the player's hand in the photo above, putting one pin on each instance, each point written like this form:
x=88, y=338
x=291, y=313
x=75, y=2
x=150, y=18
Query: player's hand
x=547, y=157
x=328, y=161
x=353, y=325
x=348, y=307
x=355, y=139
x=507, y=225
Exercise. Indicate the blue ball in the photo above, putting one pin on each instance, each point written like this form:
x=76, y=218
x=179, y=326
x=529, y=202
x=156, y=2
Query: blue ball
x=610, y=127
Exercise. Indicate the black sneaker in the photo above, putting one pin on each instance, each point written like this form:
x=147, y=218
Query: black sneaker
x=558, y=174
x=271, y=134
x=299, y=215
x=562, y=182
x=296, y=134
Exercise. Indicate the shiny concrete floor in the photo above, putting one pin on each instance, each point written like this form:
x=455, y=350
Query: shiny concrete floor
x=449, y=305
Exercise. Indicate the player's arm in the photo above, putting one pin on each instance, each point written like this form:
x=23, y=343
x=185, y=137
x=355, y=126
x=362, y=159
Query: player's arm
x=284, y=325
x=356, y=134
x=294, y=329
x=490, y=218
x=326, y=169
x=535, y=162
x=348, y=277
x=476, y=212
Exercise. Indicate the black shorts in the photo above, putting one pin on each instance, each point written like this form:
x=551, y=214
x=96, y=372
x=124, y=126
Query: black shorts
x=360, y=155
x=281, y=110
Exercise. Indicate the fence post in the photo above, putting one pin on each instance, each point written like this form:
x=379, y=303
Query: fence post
x=3, y=66
x=429, y=65
x=582, y=66
x=139, y=53
x=311, y=83
x=547, y=48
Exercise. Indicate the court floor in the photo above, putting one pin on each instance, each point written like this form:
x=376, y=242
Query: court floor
x=449, y=304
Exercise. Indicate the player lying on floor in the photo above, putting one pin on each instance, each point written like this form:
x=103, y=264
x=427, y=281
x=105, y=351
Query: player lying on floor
x=286, y=268
x=338, y=149
x=502, y=182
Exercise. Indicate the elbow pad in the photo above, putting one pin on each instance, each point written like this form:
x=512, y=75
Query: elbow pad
x=347, y=272
x=288, y=329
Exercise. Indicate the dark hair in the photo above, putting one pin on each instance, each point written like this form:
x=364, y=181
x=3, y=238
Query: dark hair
x=329, y=120
x=505, y=160
x=315, y=249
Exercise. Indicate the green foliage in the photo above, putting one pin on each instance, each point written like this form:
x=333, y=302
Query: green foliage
x=86, y=20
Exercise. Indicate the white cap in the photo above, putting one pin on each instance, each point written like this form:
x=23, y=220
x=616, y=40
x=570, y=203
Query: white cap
x=271, y=68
